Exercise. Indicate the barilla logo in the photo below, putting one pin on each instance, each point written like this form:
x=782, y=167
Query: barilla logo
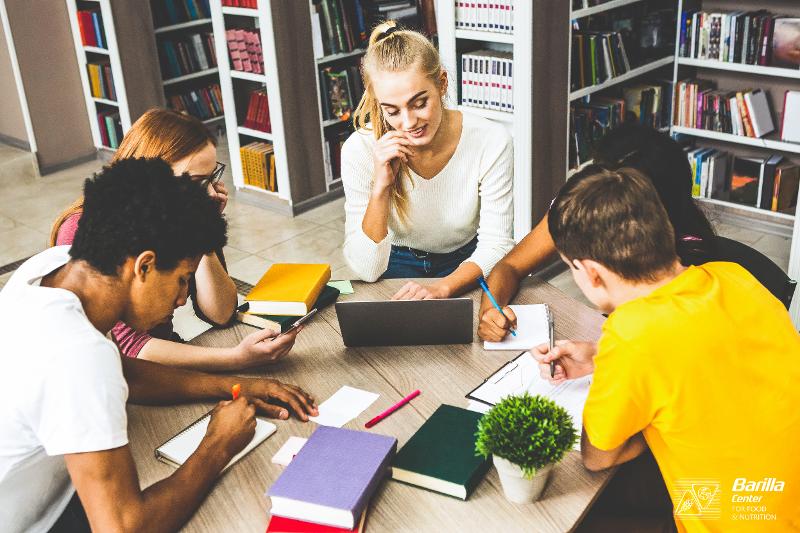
x=768, y=484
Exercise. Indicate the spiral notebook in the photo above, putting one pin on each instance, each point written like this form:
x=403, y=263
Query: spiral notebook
x=178, y=449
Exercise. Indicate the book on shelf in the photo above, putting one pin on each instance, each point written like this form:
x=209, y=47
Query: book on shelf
x=404, y=12
x=203, y=102
x=252, y=4
x=487, y=80
x=101, y=80
x=440, y=456
x=258, y=165
x=311, y=488
x=110, y=127
x=186, y=54
x=698, y=104
x=244, y=48
x=90, y=25
x=746, y=37
x=257, y=116
x=334, y=140
x=790, y=122
x=171, y=12
x=288, y=289
x=496, y=16
x=336, y=89
x=599, y=56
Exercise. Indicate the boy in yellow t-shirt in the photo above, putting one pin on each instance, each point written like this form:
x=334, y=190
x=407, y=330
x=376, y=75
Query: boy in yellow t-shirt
x=700, y=364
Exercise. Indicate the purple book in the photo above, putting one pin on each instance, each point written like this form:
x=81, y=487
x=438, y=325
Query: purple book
x=332, y=478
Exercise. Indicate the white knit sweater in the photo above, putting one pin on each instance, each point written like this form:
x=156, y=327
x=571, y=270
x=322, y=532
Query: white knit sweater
x=471, y=196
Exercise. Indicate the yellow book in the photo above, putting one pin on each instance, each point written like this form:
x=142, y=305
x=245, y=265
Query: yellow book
x=288, y=289
x=272, y=185
x=94, y=80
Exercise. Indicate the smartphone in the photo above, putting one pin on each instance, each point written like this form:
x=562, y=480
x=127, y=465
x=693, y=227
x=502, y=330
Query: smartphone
x=299, y=322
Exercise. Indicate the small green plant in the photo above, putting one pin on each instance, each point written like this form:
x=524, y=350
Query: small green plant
x=529, y=431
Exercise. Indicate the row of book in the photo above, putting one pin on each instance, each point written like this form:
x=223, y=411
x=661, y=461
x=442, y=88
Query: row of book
x=257, y=116
x=496, y=16
x=341, y=90
x=187, y=54
x=597, y=57
x=338, y=26
x=588, y=123
x=169, y=12
x=487, y=80
x=332, y=149
x=90, y=25
x=110, y=128
x=252, y=4
x=101, y=81
x=766, y=182
x=245, y=50
x=258, y=165
x=203, y=103
x=699, y=105
x=752, y=38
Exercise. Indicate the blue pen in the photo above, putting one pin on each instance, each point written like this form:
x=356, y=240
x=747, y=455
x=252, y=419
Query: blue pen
x=485, y=287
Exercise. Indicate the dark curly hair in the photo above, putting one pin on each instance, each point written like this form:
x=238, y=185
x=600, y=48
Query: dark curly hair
x=136, y=205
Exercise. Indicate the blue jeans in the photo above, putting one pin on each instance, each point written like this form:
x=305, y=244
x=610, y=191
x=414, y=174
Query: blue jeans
x=407, y=262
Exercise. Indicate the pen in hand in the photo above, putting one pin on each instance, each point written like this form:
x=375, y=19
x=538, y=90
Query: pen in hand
x=485, y=287
x=551, y=324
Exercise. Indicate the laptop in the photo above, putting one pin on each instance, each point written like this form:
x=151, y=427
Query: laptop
x=405, y=322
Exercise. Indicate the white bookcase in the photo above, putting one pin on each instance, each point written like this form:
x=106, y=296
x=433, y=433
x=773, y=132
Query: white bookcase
x=86, y=53
x=452, y=42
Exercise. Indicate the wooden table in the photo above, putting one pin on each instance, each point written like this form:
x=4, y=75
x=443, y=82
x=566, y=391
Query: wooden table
x=320, y=363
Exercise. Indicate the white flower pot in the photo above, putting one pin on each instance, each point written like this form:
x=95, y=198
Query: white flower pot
x=516, y=486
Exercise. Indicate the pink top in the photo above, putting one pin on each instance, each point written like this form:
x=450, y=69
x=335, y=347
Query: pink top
x=129, y=340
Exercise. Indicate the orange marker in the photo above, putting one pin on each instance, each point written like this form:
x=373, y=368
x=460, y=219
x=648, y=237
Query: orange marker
x=235, y=391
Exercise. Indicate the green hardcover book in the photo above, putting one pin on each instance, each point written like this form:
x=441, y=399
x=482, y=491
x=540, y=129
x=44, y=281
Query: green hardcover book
x=440, y=456
x=593, y=57
x=338, y=25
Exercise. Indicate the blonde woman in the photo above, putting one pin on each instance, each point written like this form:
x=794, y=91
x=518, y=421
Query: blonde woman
x=187, y=146
x=428, y=189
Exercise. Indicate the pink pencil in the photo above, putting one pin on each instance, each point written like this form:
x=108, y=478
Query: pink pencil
x=392, y=409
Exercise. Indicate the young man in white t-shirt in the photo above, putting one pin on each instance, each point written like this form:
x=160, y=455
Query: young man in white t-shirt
x=63, y=384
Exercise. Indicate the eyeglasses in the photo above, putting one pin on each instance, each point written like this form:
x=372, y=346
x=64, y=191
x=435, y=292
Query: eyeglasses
x=214, y=177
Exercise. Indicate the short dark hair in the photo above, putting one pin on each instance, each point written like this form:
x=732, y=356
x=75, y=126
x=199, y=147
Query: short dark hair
x=136, y=205
x=613, y=217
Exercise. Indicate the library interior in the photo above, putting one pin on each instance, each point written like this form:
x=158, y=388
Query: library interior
x=399, y=265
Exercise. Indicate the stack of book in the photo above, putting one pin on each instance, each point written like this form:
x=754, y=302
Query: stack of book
x=258, y=165
x=767, y=182
x=487, y=80
x=597, y=57
x=203, y=103
x=101, y=82
x=188, y=54
x=110, y=128
x=495, y=16
x=699, y=105
x=252, y=4
x=257, y=117
x=90, y=24
x=341, y=90
x=169, y=12
x=589, y=122
x=753, y=38
x=289, y=289
x=244, y=47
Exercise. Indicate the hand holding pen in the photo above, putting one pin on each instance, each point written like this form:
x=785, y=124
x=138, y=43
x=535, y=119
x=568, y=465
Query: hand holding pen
x=571, y=360
x=495, y=326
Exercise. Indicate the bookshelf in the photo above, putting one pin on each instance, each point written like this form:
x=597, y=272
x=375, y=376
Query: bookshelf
x=177, y=23
x=99, y=55
x=455, y=41
x=737, y=76
x=289, y=79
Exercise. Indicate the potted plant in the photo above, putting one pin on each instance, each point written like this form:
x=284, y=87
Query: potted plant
x=526, y=435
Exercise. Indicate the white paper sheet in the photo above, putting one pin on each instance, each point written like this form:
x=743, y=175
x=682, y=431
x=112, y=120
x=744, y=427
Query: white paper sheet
x=288, y=451
x=533, y=329
x=345, y=404
x=521, y=375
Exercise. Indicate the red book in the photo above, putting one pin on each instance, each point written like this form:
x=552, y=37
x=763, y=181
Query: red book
x=249, y=121
x=279, y=524
x=262, y=111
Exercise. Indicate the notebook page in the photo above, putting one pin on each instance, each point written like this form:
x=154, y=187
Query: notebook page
x=532, y=330
x=182, y=446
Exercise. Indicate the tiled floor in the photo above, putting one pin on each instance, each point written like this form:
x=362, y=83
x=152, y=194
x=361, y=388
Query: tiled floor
x=256, y=239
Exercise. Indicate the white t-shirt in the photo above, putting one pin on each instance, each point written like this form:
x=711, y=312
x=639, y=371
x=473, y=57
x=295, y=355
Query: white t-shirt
x=61, y=391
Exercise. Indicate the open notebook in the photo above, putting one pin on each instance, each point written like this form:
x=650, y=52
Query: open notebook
x=178, y=449
x=533, y=329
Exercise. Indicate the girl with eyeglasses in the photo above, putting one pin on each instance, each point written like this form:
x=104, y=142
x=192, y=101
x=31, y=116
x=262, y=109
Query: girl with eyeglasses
x=190, y=149
x=428, y=190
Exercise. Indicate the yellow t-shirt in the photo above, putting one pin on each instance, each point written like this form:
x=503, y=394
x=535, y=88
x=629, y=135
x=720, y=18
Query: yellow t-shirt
x=708, y=368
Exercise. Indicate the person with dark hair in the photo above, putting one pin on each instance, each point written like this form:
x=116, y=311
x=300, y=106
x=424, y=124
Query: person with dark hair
x=631, y=144
x=64, y=385
x=675, y=367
